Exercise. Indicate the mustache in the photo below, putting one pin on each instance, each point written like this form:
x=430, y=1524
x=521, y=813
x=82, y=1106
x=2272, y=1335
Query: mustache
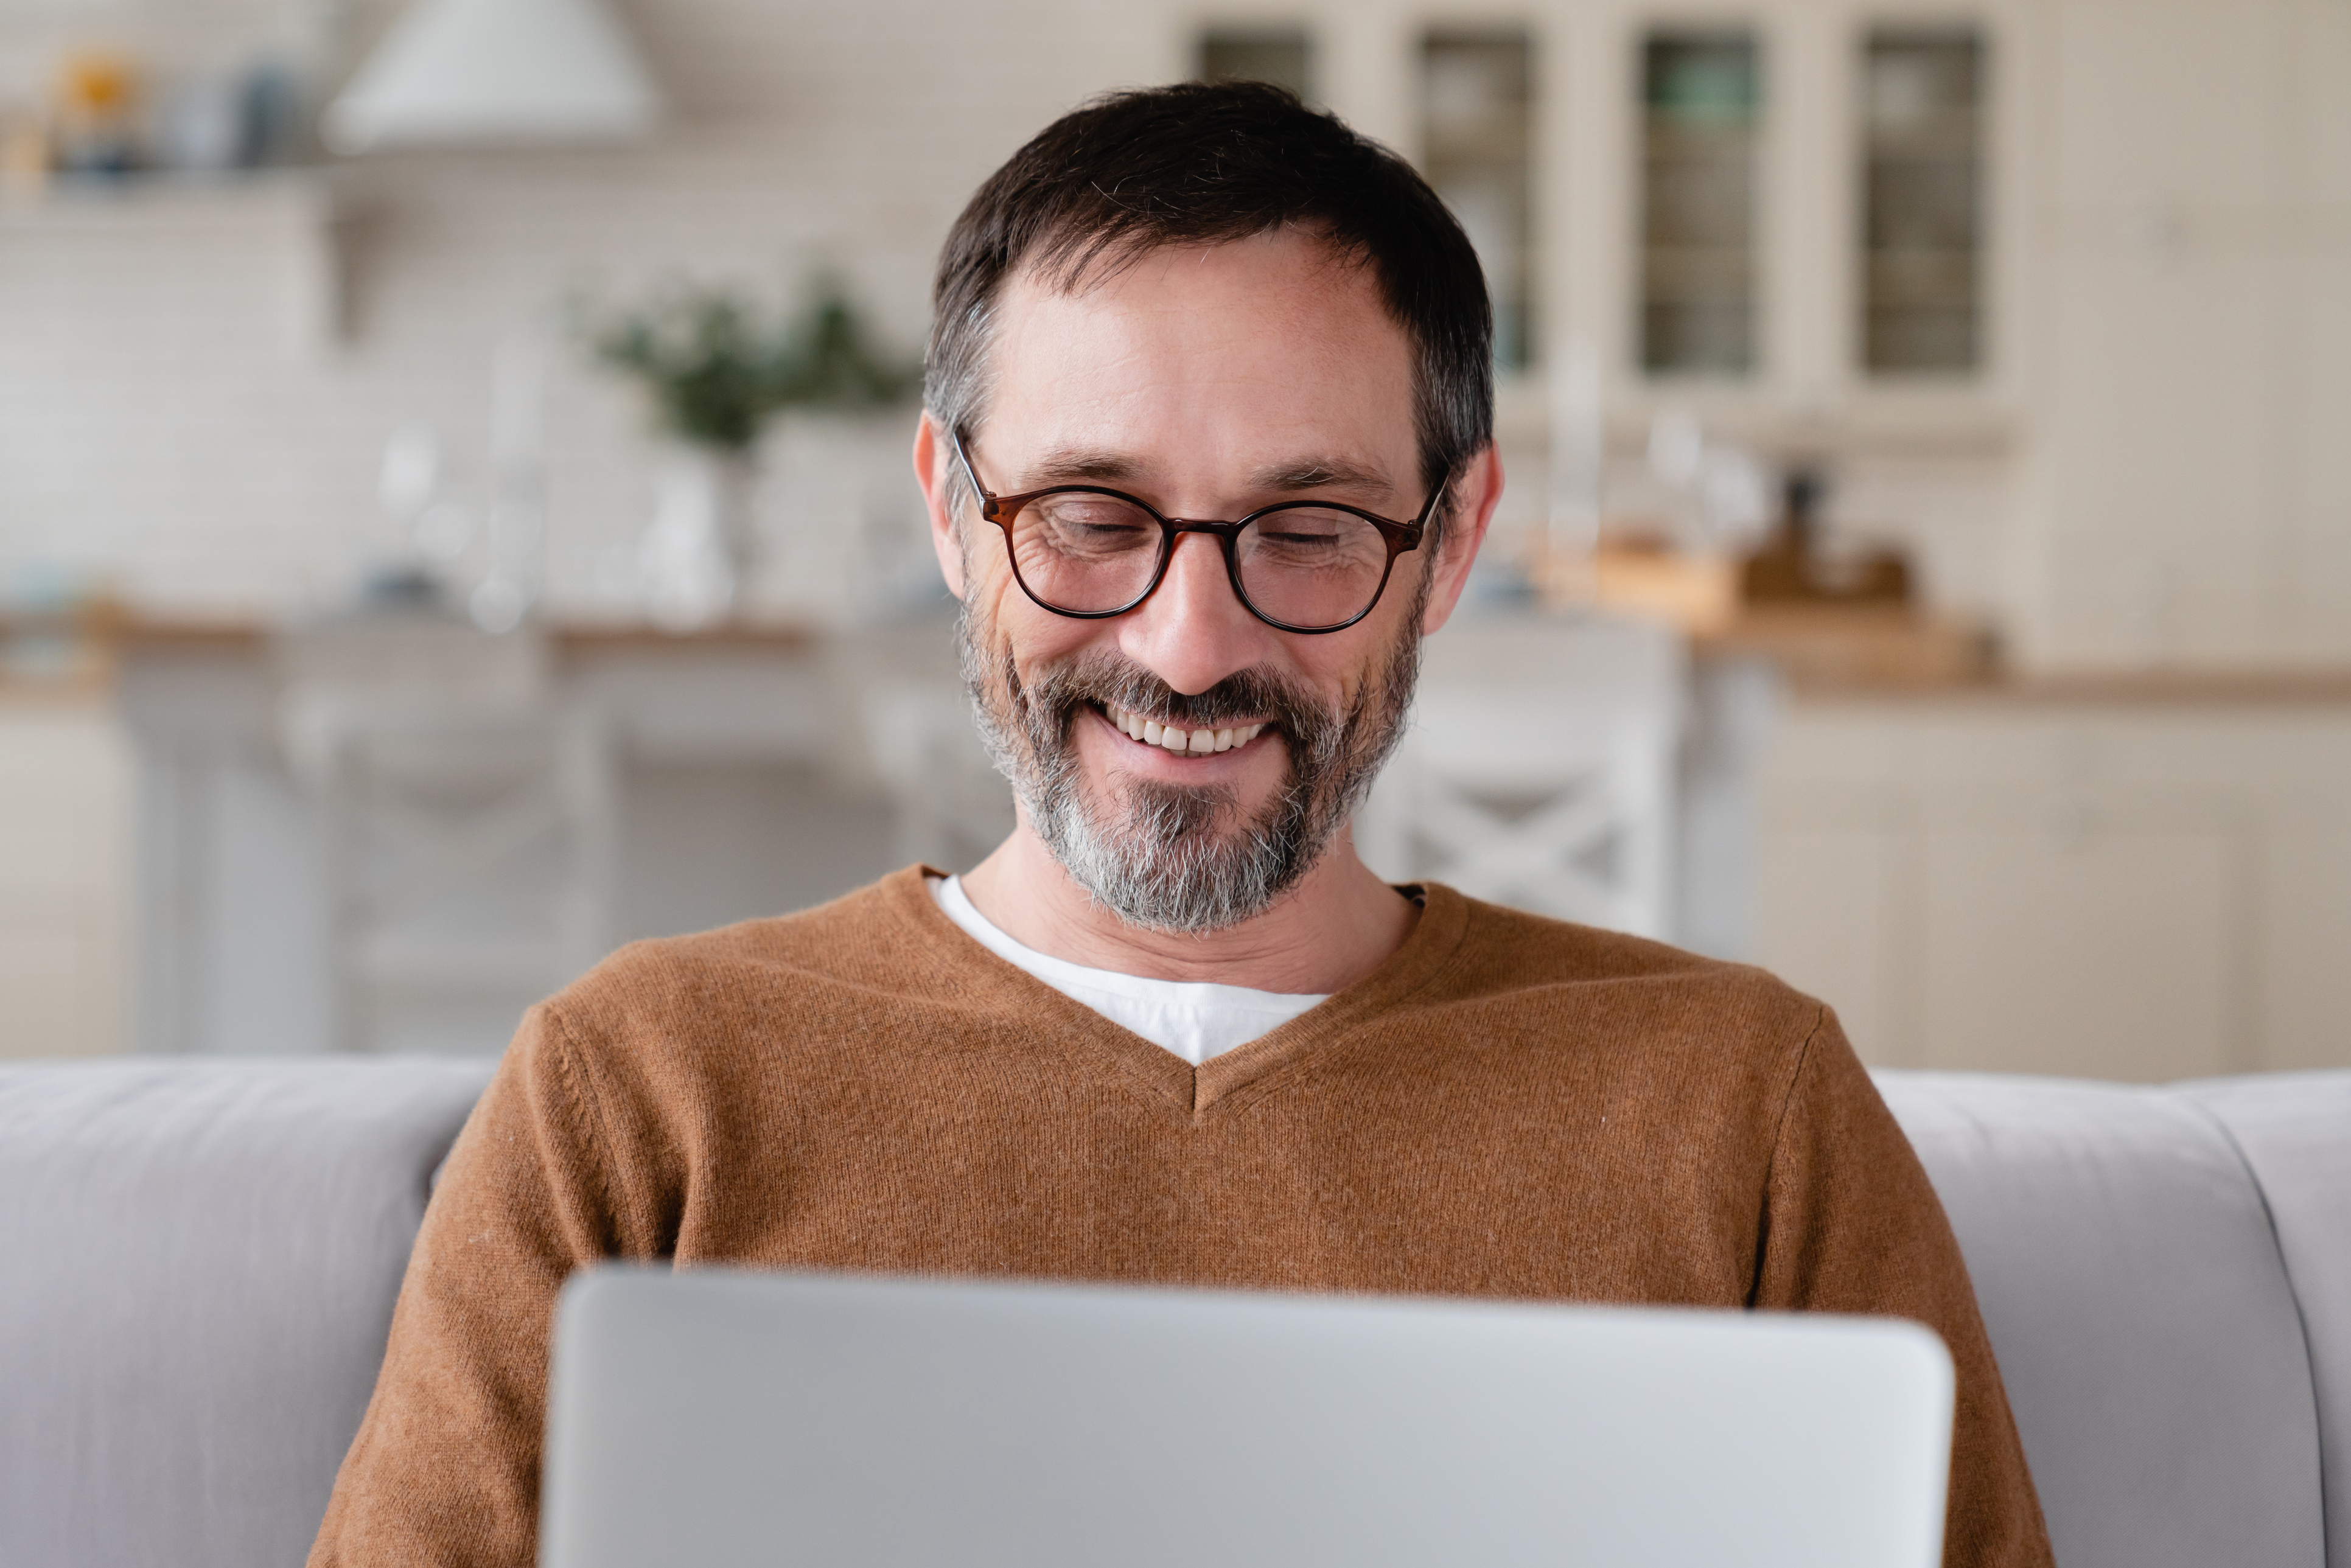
x=1102, y=678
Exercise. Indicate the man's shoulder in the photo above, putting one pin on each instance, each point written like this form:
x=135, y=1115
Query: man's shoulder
x=1507, y=946
x=870, y=940
x=1648, y=993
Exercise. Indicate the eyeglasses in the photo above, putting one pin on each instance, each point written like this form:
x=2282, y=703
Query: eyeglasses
x=1299, y=566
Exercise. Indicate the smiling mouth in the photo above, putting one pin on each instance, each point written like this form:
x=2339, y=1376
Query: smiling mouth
x=1175, y=737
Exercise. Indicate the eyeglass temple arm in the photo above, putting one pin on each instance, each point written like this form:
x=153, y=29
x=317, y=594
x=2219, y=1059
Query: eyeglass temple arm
x=1428, y=509
x=986, y=496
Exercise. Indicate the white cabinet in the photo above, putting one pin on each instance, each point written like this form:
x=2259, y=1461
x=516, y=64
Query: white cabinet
x=2194, y=506
x=64, y=804
x=2129, y=887
x=2051, y=943
x=1825, y=893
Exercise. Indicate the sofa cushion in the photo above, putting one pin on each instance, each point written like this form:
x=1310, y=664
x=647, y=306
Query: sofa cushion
x=2141, y=1313
x=202, y=1259
x=2295, y=1130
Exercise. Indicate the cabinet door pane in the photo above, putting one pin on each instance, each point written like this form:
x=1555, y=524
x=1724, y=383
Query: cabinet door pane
x=1702, y=93
x=1476, y=103
x=1282, y=56
x=1922, y=198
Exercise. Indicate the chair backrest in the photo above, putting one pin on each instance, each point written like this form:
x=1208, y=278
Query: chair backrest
x=1539, y=771
x=951, y=804
x=409, y=651
x=470, y=847
x=468, y=820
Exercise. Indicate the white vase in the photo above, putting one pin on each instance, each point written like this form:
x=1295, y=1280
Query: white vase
x=700, y=550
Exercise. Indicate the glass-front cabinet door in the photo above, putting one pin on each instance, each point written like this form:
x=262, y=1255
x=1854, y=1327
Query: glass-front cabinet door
x=1282, y=54
x=1783, y=214
x=1701, y=99
x=1922, y=190
x=1477, y=107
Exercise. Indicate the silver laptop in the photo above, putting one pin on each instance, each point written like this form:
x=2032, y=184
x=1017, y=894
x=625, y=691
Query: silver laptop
x=720, y=1417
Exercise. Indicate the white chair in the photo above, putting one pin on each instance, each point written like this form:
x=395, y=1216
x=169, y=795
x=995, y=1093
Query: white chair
x=952, y=805
x=1537, y=770
x=467, y=822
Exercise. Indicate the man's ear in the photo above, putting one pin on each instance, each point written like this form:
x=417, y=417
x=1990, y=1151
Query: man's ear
x=1475, y=496
x=933, y=474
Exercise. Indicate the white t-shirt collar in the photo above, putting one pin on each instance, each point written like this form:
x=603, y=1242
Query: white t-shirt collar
x=1197, y=1019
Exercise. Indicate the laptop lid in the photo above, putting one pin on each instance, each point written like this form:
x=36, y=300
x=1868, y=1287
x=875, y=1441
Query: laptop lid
x=717, y=1417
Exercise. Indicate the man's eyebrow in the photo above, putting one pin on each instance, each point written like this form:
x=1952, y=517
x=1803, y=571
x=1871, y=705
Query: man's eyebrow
x=1318, y=474
x=1074, y=464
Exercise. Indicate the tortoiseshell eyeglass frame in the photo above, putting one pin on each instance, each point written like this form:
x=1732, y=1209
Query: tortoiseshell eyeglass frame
x=1002, y=510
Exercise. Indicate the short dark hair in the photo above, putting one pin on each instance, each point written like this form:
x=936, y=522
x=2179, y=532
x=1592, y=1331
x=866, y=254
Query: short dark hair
x=1208, y=163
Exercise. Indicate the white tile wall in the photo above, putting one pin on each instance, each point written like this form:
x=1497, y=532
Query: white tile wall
x=155, y=429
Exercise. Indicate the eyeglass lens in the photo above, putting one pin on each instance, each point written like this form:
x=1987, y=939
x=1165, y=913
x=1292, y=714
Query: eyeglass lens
x=1304, y=566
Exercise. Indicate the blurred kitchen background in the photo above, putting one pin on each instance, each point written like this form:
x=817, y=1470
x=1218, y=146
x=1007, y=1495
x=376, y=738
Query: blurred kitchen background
x=453, y=511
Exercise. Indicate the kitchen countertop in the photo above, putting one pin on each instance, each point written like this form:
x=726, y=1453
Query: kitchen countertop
x=1825, y=652
x=1873, y=648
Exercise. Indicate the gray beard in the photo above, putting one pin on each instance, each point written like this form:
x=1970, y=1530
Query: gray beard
x=1174, y=857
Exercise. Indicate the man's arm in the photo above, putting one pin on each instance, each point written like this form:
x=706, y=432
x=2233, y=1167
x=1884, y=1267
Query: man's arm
x=446, y=1467
x=1852, y=1224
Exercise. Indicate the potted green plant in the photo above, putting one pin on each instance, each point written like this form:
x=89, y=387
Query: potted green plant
x=717, y=371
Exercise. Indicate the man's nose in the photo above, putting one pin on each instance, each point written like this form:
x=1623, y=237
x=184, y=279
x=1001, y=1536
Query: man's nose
x=1195, y=631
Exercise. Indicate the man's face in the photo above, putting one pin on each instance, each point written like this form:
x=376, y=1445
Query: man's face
x=1210, y=381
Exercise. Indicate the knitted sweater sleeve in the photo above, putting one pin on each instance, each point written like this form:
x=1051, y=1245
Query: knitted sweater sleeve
x=445, y=1467
x=1852, y=1224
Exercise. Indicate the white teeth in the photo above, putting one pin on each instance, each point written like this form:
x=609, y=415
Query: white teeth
x=1171, y=737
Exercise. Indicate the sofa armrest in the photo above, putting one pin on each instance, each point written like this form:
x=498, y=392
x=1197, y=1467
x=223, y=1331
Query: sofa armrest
x=2141, y=1313
x=2293, y=1130
x=200, y=1262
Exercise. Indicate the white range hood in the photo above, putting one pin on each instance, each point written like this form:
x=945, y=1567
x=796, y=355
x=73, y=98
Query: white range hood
x=457, y=73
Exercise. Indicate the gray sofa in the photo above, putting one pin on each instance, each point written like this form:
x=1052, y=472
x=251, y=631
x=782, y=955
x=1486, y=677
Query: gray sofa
x=199, y=1259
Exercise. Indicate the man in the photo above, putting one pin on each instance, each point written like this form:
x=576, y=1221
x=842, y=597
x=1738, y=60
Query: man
x=1208, y=449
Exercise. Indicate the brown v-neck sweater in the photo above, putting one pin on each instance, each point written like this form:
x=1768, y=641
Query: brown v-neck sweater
x=1509, y=1106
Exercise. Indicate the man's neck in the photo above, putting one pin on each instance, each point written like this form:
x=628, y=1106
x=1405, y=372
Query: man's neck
x=1339, y=924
